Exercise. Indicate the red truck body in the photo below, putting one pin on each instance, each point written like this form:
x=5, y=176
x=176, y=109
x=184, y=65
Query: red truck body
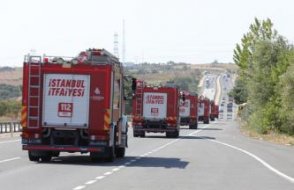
x=73, y=105
x=204, y=110
x=155, y=109
x=189, y=110
x=214, y=111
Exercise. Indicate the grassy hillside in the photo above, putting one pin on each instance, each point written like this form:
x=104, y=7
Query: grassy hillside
x=11, y=76
x=156, y=74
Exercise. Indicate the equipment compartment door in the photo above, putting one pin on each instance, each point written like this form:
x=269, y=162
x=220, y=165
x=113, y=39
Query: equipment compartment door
x=185, y=108
x=66, y=100
x=155, y=105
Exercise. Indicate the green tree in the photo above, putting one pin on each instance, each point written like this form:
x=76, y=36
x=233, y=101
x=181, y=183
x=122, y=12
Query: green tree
x=258, y=31
x=287, y=97
x=239, y=92
x=263, y=56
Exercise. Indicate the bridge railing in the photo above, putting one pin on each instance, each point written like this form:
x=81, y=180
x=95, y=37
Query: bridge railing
x=10, y=127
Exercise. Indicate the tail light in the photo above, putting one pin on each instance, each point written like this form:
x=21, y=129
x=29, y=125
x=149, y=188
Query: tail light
x=137, y=119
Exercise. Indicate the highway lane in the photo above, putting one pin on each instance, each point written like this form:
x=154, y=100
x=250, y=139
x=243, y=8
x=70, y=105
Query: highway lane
x=194, y=161
x=217, y=156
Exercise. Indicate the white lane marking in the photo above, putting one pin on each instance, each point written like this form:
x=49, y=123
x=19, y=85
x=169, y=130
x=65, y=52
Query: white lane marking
x=115, y=169
x=143, y=155
x=268, y=166
x=11, y=141
x=100, y=177
x=108, y=173
x=10, y=159
x=90, y=182
x=79, y=187
x=131, y=161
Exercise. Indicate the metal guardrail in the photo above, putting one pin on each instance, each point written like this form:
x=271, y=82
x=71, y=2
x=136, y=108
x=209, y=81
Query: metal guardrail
x=10, y=127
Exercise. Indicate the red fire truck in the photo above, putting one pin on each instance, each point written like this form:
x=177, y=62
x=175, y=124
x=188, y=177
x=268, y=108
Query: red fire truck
x=155, y=109
x=204, y=109
x=73, y=105
x=189, y=109
x=214, y=111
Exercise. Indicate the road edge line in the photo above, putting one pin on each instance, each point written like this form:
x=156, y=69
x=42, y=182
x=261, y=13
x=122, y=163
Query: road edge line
x=264, y=163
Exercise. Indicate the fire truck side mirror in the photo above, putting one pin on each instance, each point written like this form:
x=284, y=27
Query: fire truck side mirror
x=134, y=84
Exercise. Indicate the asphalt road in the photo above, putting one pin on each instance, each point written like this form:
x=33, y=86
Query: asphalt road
x=216, y=156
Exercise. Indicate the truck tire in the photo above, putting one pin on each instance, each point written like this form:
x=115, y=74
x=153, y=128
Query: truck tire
x=176, y=134
x=196, y=125
x=95, y=157
x=110, y=154
x=206, y=120
x=33, y=157
x=172, y=134
x=193, y=126
x=120, y=152
x=142, y=135
x=55, y=153
x=46, y=158
x=135, y=133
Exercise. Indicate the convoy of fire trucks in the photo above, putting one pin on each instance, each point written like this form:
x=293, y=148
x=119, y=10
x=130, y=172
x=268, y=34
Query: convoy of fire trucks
x=76, y=104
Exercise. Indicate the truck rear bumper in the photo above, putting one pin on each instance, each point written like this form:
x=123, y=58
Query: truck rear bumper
x=63, y=148
x=156, y=130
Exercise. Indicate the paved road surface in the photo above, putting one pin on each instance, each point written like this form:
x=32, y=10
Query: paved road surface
x=208, y=158
x=214, y=157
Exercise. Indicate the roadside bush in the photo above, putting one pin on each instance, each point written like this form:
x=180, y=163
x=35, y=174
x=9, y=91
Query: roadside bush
x=10, y=108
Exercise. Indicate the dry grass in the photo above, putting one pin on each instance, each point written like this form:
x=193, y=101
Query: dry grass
x=7, y=119
x=273, y=137
x=156, y=78
x=11, y=77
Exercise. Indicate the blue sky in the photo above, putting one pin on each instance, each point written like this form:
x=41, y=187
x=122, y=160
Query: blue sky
x=193, y=31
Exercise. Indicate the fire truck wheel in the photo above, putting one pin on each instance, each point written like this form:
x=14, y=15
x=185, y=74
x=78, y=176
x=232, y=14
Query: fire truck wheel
x=33, y=157
x=55, y=153
x=196, y=126
x=135, y=134
x=94, y=156
x=176, y=134
x=111, y=154
x=142, y=135
x=169, y=134
x=46, y=158
x=120, y=152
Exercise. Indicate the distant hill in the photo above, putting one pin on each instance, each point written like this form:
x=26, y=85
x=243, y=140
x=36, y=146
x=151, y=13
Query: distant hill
x=152, y=73
x=11, y=76
x=180, y=73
